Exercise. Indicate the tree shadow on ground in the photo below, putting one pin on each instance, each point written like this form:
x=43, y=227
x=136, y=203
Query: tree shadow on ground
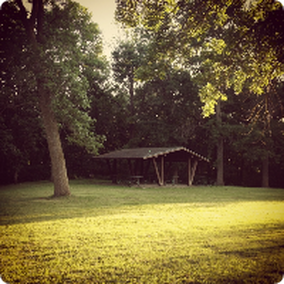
x=26, y=204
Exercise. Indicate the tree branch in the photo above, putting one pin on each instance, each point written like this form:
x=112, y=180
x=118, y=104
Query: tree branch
x=40, y=20
x=23, y=12
x=34, y=13
x=28, y=23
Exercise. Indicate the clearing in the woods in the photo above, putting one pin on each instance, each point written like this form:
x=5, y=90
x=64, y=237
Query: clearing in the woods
x=113, y=234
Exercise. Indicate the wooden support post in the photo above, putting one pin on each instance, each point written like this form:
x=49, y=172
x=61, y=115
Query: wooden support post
x=191, y=171
x=157, y=171
x=189, y=182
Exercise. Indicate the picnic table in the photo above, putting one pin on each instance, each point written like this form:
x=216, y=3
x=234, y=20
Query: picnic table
x=136, y=179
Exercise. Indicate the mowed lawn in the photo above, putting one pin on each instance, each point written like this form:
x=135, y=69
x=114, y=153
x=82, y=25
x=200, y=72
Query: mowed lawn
x=115, y=234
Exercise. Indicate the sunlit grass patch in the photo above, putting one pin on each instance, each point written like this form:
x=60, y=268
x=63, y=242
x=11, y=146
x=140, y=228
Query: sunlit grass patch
x=106, y=234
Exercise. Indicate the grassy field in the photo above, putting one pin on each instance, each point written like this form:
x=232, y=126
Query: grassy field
x=115, y=234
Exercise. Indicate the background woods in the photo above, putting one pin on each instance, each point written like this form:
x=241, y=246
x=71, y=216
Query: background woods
x=61, y=101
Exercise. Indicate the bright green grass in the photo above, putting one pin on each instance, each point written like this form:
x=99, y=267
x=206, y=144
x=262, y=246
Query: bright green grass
x=114, y=234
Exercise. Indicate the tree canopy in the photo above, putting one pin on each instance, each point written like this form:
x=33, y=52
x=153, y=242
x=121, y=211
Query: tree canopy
x=220, y=42
x=177, y=67
x=48, y=57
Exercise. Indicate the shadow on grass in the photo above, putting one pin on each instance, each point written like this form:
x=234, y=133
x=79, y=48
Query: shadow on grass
x=254, y=252
x=32, y=202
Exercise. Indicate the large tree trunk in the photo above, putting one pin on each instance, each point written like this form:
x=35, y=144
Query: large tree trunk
x=58, y=165
x=34, y=28
x=220, y=149
x=265, y=159
x=265, y=171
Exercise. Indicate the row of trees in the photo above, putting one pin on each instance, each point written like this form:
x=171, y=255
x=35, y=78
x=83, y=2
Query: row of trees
x=228, y=47
x=168, y=112
x=60, y=95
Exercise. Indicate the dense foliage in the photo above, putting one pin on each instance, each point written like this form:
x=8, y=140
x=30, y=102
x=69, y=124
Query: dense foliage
x=230, y=48
x=175, y=67
x=48, y=59
x=227, y=44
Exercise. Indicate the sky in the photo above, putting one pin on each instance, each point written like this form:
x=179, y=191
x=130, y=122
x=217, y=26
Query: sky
x=103, y=14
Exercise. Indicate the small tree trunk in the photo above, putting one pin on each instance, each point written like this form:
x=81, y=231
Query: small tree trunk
x=220, y=163
x=265, y=171
x=16, y=176
x=220, y=149
x=131, y=91
x=58, y=165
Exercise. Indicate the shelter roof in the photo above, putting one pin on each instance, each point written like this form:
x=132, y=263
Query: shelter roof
x=178, y=153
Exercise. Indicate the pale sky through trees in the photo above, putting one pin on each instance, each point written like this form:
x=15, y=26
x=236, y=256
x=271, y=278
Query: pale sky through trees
x=103, y=15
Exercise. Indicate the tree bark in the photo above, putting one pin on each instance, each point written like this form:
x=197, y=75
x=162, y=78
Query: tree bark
x=34, y=27
x=131, y=90
x=220, y=149
x=265, y=159
x=58, y=165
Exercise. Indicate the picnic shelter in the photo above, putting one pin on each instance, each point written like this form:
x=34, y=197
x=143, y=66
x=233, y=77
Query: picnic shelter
x=158, y=156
